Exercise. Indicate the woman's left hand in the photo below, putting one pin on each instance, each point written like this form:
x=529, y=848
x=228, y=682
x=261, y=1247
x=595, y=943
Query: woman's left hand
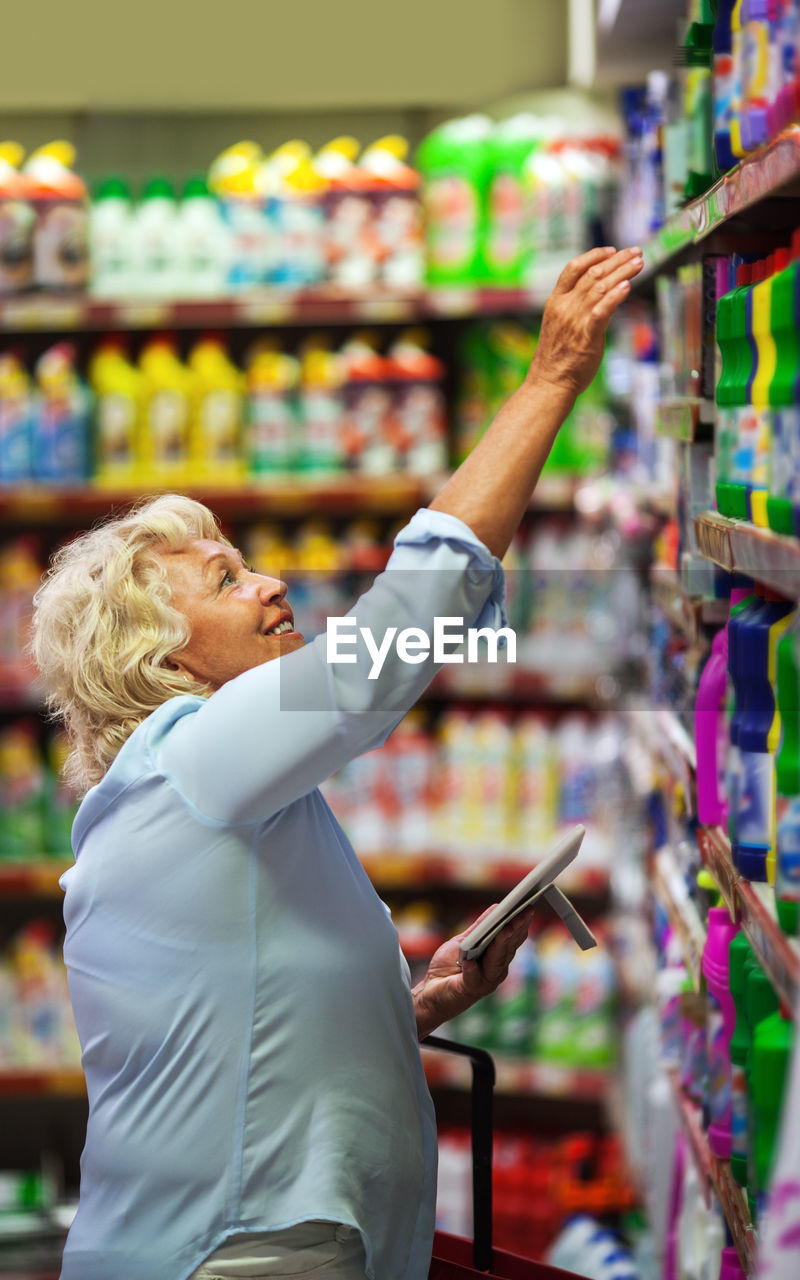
x=452, y=984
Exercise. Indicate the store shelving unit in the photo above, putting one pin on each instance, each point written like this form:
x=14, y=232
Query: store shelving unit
x=716, y=1174
x=670, y=888
x=772, y=170
x=321, y=305
x=688, y=613
x=741, y=547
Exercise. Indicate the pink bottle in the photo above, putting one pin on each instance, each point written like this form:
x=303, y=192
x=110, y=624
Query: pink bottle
x=730, y=1267
x=720, y=1021
x=710, y=722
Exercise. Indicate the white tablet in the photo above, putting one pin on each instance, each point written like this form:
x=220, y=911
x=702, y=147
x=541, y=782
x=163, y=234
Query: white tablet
x=537, y=883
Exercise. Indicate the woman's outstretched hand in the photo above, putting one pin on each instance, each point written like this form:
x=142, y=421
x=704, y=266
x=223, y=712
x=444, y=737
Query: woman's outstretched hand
x=576, y=316
x=453, y=984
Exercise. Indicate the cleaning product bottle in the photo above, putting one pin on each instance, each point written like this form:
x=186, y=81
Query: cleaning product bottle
x=787, y=775
x=710, y=728
x=419, y=411
x=167, y=399
x=17, y=221
x=321, y=407
x=755, y=703
x=156, y=240
x=16, y=420
x=763, y=375
x=726, y=90
x=61, y=804
x=720, y=1021
x=215, y=451
x=786, y=625
x=737, y=58
x=21, y=793
x=789, y=57
x=755, y=79
x=239, y=178
x=773, y=1041
x=760, y=1001
x=453, y=160
x=505, y=248
x=271, y=421
x=698, y=99
x=111, y=240
x=740, y=955
x=397, y=223
x=742, y=421
x=349, y=238
x=725, y=397
x=202, y=243
x=61, y=423
x=782, y=389
x=60, y=199
x=117, y=388
x=740, y=616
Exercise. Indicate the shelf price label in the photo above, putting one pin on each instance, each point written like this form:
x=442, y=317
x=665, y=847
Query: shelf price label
x=716, y=854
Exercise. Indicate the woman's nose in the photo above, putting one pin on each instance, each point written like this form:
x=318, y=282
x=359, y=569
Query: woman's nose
x=271, y=589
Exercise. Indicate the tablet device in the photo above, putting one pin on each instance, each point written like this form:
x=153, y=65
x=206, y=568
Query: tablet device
x=538, y=883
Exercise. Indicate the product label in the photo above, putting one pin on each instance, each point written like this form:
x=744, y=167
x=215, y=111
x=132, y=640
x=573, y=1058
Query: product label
x=755, y=62
x=784, y=445
x=61, y=249
x=17, y=221
x=504, y=239
x=15, y=440
x=754, y=824
x=116, y=426
x=270, y=432
x=322, y=417
x=219, y=417
x=744, y=432
x=787, y=886
x=719, y=1078
x=453, y=217
x=724, y=84
x=738, y=1101
x=168, y=420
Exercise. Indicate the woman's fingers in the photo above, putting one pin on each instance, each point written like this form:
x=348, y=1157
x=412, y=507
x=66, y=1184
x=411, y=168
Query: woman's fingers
x=577, y=267
x=607, y=274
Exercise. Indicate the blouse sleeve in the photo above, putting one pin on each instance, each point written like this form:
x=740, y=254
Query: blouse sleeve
x=274, y=733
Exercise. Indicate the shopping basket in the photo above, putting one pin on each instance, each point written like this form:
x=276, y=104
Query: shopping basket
x=458, y=1259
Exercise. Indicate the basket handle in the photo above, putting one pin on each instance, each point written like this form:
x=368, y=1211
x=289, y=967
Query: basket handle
x=483, y=1077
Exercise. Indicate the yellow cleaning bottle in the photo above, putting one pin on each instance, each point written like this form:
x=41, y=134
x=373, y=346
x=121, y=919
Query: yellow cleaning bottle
x=117, y=387
x=215, y=440
x=168, y=388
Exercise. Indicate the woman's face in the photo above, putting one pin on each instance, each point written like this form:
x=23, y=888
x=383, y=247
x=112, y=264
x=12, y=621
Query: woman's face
x=233, y=613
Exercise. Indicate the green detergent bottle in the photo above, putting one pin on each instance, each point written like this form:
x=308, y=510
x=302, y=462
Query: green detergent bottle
x=506, y=241
x=773, y=1040
x=760, y=1001
x=698, y=99
x=723, y=442
x=787, y=774
x=741, y=954
x=763, y=375
x=454, y=161
x=744, y=422
x=782, y=389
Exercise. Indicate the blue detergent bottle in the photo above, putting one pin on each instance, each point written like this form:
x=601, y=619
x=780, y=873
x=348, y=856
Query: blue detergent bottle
x=746, y=603
x=755, y=703
x=726, y=95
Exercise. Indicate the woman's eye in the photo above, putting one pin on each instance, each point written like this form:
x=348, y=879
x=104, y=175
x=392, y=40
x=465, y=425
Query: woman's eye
x=226, y=578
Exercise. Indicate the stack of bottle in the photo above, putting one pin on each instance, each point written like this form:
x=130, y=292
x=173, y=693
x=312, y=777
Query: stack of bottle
x=36, y=1026
x=538, y=1185
x=747, y=726
x=36, y=807
x=740, y=87
x=510, y=203
x=557, y=1006
x=204, y=420
x=758, y=464
x=491, y=786
x=730, y=1045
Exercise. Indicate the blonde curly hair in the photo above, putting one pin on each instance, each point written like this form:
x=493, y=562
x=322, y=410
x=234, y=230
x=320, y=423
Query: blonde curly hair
x=104, y=627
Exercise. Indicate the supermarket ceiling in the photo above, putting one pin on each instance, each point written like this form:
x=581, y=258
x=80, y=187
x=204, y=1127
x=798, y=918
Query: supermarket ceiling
x=189, y=55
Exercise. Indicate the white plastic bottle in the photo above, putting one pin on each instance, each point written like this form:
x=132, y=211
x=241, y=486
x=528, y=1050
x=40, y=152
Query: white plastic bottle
x=111, y=234
x=202, y=244
x=156, y=240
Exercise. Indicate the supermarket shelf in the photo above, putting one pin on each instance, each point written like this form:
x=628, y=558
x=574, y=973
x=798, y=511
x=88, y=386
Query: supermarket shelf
x=683, y=916
x=523, y=1076
x=502, y=682
x=35, y=1082
x=663, y=736
x=763, y=174
x=262, y=308
x=37, y=879
x=681, y=416
x=686, y=612
x=336, y=495
x=742, y=547
x=778, y=955
x=716, y=1174
x=453, y=870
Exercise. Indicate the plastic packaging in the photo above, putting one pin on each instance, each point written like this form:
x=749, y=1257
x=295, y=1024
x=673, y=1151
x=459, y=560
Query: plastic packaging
x=720, y=1021
x=111, y=240
x=60, y=200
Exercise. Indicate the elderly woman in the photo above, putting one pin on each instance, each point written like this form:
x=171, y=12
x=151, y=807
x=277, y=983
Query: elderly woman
x=257, y=1105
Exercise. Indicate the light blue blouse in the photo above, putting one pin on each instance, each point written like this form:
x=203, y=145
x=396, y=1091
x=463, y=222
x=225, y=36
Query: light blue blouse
x=243, y=1007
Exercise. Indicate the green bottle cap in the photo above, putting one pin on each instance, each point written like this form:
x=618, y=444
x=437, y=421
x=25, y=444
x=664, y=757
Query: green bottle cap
x=196, y=185
x=113, y=187
x=158, y=186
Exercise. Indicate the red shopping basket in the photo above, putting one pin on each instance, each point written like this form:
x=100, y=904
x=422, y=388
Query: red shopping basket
x=458, y=1259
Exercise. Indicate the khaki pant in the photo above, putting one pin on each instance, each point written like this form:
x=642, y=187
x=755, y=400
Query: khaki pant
x=322, y=1250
